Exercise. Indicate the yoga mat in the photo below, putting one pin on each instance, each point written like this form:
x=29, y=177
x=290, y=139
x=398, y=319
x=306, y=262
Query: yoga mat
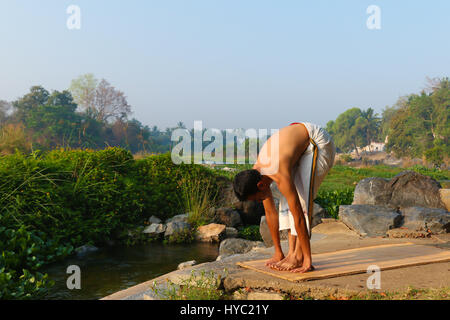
x=354, y=261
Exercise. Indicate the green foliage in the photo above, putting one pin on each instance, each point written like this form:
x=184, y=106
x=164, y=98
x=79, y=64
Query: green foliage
x=354, y=128
x=420, y=123
x=183, y=236
x=250, y=233
x=198, y=198
x=331, y=200
x=201, y=286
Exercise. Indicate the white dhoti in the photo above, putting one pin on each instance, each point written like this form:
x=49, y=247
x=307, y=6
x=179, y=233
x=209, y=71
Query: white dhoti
x=308, y=174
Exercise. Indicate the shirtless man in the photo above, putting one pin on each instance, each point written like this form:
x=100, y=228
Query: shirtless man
x=296, y=158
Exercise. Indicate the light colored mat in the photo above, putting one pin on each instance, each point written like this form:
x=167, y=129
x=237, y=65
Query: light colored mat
x=354, y=261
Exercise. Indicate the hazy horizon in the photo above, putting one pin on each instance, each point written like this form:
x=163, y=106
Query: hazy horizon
x=230, y=64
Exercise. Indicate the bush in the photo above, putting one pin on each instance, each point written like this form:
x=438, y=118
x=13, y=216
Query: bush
x=331, y=200
x=250, y=233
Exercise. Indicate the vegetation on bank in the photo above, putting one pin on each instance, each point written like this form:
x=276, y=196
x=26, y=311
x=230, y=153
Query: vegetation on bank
x=57, y=201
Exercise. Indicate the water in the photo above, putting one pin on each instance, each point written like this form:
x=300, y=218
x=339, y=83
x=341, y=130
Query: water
x=109, y=270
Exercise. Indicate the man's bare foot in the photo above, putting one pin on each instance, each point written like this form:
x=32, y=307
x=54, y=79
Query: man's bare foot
x=275, y=259
x=306, y=267
x=276, y=265
x=291, y=262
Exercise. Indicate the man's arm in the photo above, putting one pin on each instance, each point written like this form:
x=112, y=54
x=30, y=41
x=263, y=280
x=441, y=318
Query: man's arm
x=272, y=221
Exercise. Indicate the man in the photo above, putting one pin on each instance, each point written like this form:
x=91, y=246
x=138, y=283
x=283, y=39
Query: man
x=296, y=158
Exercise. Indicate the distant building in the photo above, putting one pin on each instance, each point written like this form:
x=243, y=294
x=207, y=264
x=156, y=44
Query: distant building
x=372, y=147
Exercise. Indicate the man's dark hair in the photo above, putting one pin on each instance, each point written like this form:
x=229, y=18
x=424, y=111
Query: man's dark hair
x=245, y=183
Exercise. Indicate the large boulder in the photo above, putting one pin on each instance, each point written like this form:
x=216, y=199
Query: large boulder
x=211, y=233
x=372, y=191
x=250, y=211
x=236, y=246
x=176, y=227
x=407, y=189
x=424, y=219
x=155, y=229
x=227, y=216
x=369, y=220
x=412, y=189
x=265, y=233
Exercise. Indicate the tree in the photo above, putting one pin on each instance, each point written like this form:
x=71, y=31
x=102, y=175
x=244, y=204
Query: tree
x=99, y=100
x=354, y=128
x=37, y=96
x=5, y=107
x=83, y=91
x=110, y=103
x=419, y=124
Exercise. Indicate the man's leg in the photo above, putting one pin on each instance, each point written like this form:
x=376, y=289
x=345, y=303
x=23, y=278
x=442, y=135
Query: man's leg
x=273, y=224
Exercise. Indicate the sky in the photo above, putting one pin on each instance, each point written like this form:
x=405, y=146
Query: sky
x=229, y=63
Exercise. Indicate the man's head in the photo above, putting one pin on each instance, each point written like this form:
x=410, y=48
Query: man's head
x=251, y=185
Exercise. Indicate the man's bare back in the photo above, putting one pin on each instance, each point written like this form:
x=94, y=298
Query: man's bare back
x=282, y=151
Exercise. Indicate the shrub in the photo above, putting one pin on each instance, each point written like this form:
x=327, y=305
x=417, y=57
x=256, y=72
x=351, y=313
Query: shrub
x=250, y=233
x=331, y=200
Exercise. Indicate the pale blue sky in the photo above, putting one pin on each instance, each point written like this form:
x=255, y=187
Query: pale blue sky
x=248, y=63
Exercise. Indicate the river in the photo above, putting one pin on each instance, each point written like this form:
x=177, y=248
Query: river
x=112, y=269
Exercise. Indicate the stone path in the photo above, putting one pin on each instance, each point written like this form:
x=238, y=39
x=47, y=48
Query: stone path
x=327, y=237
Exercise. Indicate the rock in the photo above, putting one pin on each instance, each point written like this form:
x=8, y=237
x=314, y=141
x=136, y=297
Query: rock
x=231, y=232
x=445, y=198
x=407, y=189
x=369, y=220
x=412, y=189
x=186, y=264
x=372, y=191
x=236, y=246
x=176, y=227
x=211, y=233
x=178, y=218
x=250, y=211
x=226, y=193
x=265, y=233
x=319, y=213
x=227, y=216
x=423, y=219
x=83, y=250
x=154, y=219
x=406, y=233
x=155, y=229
